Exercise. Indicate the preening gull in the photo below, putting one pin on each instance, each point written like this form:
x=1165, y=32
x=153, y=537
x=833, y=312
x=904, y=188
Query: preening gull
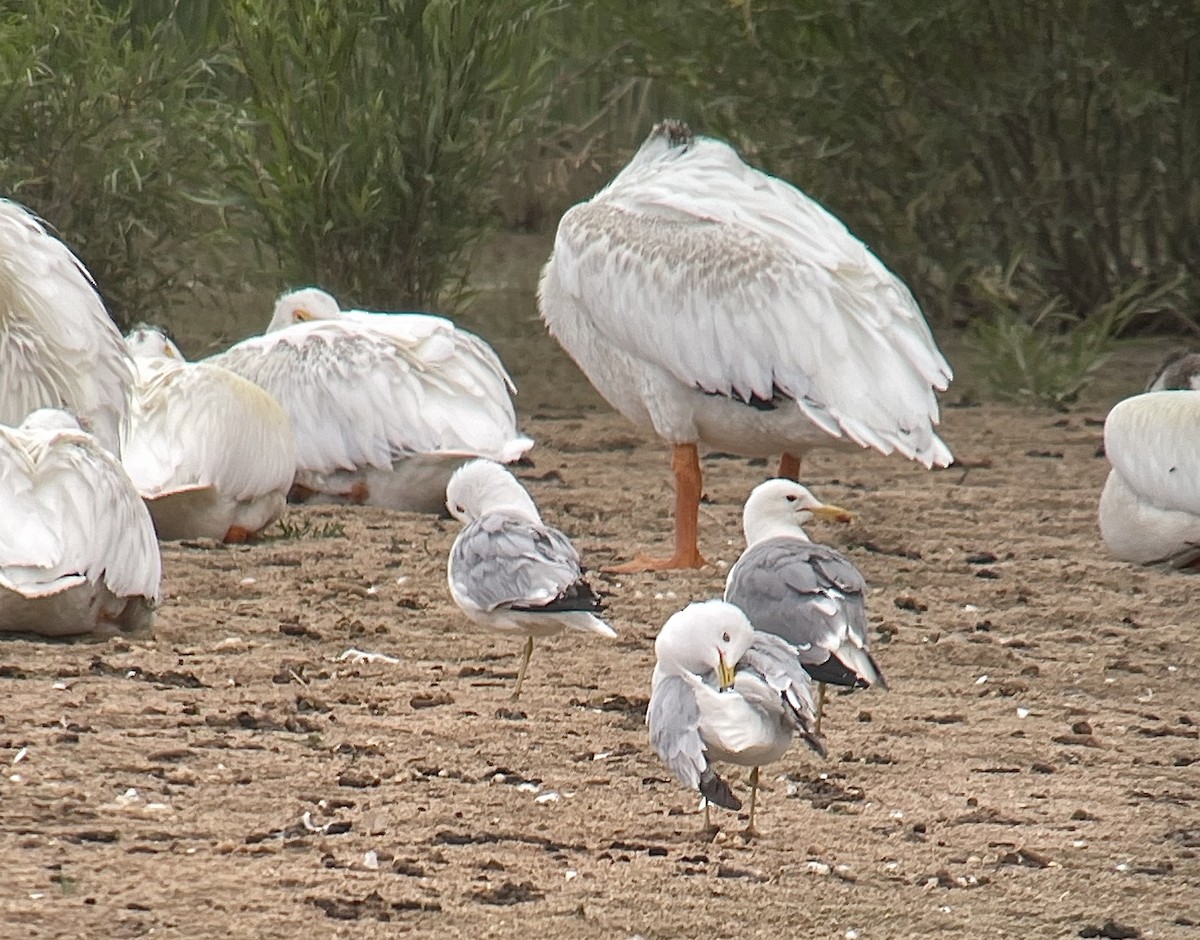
x=211, y=453
x=718, y=306
x=384, y=406
x=58, y=346
x=809, y=594
x=723, y=691
x=77, y=548
x=509, y=570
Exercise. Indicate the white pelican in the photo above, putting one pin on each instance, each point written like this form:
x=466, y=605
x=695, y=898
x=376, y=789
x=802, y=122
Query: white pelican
x=384, y=406
x=510, y=571
x=211, y=453
x=719, y=306
x=58, y=346
x=808, y=594
x=77, y=547
x=1150, y=505
x=722, y=691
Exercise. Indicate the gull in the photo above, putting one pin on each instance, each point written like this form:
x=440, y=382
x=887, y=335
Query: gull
x=718, y=306
x=808, y=594
x=58, y=346
x=723, y=691
x=510, y=571
x=77, y=548
x=384, y=407
x=211, y=453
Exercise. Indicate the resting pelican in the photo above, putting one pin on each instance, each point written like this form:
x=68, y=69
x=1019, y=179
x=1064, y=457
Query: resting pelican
x=722, y=691
x=510, y=571
x=211, y=453
x=384, y=407
x=58, y=346
x=1150, y=505
x=77, y=547
x=719, y=306
x=808, y=594
x=1179, y=370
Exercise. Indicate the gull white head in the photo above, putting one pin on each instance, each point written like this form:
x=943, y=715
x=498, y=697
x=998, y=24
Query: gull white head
x=300, y=306
x=149, y=342
x=483, y=486
x=706, y=636
x=783, y=507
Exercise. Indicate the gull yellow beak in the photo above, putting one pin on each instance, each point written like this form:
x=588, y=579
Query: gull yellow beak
x=725, y=672
x=832, y=513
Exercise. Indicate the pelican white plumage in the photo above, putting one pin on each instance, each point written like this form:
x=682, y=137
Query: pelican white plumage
x=723, y=691
x=384, y=406
x=77, y=548
x=809, y=594
x=719, y=306
x=510, y=571
x=58, y=345
x=1150, y=505
x=211, y=453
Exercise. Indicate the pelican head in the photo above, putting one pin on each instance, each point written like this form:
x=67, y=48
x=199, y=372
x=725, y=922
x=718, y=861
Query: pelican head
x=151, y=342
x=300, y=306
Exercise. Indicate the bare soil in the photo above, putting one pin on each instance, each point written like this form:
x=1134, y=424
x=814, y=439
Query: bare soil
x=1032, y=773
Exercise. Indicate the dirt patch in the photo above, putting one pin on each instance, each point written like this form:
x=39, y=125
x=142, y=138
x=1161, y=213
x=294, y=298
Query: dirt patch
x=247, y=773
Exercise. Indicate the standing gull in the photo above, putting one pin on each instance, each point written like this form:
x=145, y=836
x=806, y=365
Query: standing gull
x=722, y=691
x=509, y=570
x=810, y=595
x=58, y=346
x=716, y=305
x=77, y=547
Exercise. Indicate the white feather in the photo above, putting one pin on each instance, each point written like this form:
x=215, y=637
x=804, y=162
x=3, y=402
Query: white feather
x=58, y=346
x=693, y=277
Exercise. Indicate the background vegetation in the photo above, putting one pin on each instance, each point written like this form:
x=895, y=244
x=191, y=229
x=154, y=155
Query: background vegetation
x=1031, y=169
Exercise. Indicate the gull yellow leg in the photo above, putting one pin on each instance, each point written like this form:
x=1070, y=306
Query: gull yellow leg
x=524, y=666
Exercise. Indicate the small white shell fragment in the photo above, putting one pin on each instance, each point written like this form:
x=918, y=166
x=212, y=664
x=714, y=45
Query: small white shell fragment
x=550, y=797
x=982, y=679
x=817, y=868
x=1022, y=712
x=371, y=860
x=528, y=787
x=246, y=582
x=362, y=656
x=21, y=754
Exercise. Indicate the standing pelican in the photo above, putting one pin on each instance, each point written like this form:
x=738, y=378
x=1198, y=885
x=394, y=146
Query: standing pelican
x=1150, y=505
x=808, y=594
x=210, y=452
x=384, y=407
x=722, y=691
x=509, y=570
x=58, y=346
x=719, y=306
x=77, y=547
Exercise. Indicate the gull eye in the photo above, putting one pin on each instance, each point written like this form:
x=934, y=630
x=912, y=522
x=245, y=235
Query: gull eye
x=725, y=637
x=791, y=497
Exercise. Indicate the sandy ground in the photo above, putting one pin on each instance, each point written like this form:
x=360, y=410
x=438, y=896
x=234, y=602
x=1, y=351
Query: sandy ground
x=1033, y=772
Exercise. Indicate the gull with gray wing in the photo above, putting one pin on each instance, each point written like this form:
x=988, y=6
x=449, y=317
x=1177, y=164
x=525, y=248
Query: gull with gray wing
x=809, y=594
x=723, y=691
x=510, y=571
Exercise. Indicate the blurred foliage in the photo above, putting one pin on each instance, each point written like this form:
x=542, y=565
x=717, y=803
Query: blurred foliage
x=366, y=145
x=1047, y=357
x=107, y=132
x=381, y=127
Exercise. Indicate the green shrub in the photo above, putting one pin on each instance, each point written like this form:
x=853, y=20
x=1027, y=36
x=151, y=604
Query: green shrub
x=381, y=126
x=109, y=132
